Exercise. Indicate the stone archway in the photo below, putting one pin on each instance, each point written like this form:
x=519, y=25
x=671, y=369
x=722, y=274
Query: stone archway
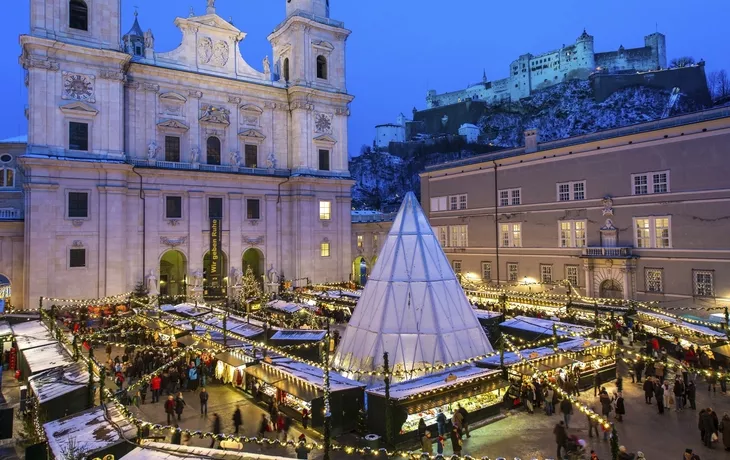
x=611, y=289
x=254, y=258
x=173, y=271
x=223, y=274
x=5, y=292
x=360, y=270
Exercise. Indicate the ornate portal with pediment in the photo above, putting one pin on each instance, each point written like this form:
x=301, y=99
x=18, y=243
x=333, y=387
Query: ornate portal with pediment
x=172, y=104
x=251, y=115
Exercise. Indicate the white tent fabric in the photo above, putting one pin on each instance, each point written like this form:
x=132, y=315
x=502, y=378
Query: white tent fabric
x=413, y=307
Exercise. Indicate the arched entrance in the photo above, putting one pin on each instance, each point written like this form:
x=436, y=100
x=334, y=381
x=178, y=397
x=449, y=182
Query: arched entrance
x=223, y=270
x=173, y=270
x=360, y=270
x=5, y=292
x=254, y=258
x=611, y=289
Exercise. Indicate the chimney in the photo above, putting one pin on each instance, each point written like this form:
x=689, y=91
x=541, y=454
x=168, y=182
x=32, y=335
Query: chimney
x=531, y=140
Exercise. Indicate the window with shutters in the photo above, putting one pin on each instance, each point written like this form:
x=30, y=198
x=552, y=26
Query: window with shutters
x=439, y=203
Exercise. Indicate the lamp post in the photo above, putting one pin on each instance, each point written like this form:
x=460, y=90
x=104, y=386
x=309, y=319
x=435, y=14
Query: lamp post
x=388, y=421
x=327, y=412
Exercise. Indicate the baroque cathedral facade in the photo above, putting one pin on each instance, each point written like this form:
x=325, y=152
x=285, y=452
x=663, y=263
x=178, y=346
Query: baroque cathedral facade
x=135, y=155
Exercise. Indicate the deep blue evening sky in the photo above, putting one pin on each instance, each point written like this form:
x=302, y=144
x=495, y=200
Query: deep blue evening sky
x=401, y=48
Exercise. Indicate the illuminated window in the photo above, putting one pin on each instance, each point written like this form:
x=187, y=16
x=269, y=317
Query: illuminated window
x=652, y=232
x=571, y=274
x=359, y=241
x=512, y=272
x=325, y=210
x=486, y=271
x=324, y=249
x=572, y=234
x=457, y=266
x=459, y=236
x=511, y=235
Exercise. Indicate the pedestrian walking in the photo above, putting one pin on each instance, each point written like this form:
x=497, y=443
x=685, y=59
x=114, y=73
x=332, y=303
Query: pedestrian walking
x=678, y=391
x=688, y=455
x=179, y=405
x=707, y=427
x=648, y=390
x=440, y=445
x=605, y=401
x=193, y=377
x=263, y=426
x=302, y=449
x=203, y=402
x=216, y=428
x=725, y=431
x=620, y=407
x=237, y=418
x=596, y=383
x=464, y=420
x=305, y=418
x=421, y=428
x=592, y=424
x=170, y=409
x=561, y=438
x=285, y=427
x=426, y=444
x=456, y=441
x=549, y=407
x=566, y=408
x=691, y=394
x=456, y=420
x=441, y=422
x=659, y=394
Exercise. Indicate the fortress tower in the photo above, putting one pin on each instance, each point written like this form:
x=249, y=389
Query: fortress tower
x=658, y=43
x=584, y=52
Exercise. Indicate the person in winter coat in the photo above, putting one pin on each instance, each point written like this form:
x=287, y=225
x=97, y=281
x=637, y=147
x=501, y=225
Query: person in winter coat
x=620, y=407
x=623, y=454
x=456, y=441
x=203, y=402
x=237, y=419
x=561, y=438
x=566, y=408
x=659, y=393
x=263, y=426
x=170, y=409
x=678, y=391
x=179, y=405
x=440, y=445
x=605, y=404
x=464, y=421
x=426, y=444
x=639, y=369
x=216, y=428
x=691, y=394
x=725, y=431
x=305, y=418
x=707, y=427
x=441, y=422
x=592, y=424
x=302, y=449
x=549, y=406
x=421, y=428
x=193, y=378
x=648, y=390
x=456, y=420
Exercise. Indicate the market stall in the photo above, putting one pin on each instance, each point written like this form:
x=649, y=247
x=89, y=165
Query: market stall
x=306, y=344
x=230, y=366
x=668, y=329
x=528, y=328
x=480, y=391
x=98, y=431
x=31, y=334
x=297, y=386
x=44, y=358
x=61, y=391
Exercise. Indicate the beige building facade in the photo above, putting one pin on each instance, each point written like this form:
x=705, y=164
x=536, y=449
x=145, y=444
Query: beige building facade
x=132, y=151
x=633, y=213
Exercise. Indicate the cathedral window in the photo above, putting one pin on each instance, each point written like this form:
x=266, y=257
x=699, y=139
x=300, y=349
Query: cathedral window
x=322, y=67
x=213, y=151
x=7, y=177
x=324, y=160
x=78, y=136
x=286, y=69
x=77, y=258
x=78, y=205
x=172, y=148
x=253, y=209
x=138, y=50
x=78, y=15
x=251, y=155
x=173, y=207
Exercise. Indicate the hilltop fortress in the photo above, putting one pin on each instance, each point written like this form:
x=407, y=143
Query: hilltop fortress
x=530, y=73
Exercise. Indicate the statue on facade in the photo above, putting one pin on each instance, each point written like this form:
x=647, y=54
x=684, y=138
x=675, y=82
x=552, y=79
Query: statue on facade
x=152, y=150
x=271, y=161
x=197, y=279
x=236, y=277
x=267, y=67
x=607, y=206
x=195, y=155
x=149, y=39
x=235, y=158
x=273, y=275
x=211, y=3
x=152, y=283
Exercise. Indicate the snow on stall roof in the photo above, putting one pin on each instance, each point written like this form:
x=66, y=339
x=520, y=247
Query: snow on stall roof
x=486, y=314
x=190, y=309
x=544, y=326
x=676, y=321
x=5, y=329
x=47, y=357
x=90, y=429
x=32, y=334
x=298, y=334
x=164, y=451
x=313, y=375
x=402, y=390
x=235, y=324
x=281, y=305
x=511, y=358
x=55, y=383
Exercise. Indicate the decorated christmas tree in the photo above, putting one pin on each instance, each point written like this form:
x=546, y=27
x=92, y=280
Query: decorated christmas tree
x=250, y=288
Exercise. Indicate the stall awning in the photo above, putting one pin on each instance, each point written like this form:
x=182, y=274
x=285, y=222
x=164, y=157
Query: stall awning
x=233, y=360
x=722, y=350
x=262, y=374
x=288, y=385
x=188, y=340
x=544, y=366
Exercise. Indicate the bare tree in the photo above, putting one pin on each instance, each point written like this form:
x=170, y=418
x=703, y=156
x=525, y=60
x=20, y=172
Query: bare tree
x=718, y=82
x=684, y=61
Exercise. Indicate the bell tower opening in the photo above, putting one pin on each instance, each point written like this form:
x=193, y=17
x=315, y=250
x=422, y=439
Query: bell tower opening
x=319, y=8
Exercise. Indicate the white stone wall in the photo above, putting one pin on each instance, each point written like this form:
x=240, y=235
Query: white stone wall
x=131, y=107
x=385, y=134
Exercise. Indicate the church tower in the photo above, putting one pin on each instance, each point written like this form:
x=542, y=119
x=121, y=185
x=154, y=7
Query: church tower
x=309, y=58
x=92, y=23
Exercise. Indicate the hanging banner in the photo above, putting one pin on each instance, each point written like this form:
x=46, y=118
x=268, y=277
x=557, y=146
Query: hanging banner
x=214, y=288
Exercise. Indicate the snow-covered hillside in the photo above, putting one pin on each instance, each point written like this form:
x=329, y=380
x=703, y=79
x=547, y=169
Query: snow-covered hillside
x=558, y=112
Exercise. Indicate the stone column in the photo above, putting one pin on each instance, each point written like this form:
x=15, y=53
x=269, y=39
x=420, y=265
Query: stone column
x=588, y=269
x=626, y=272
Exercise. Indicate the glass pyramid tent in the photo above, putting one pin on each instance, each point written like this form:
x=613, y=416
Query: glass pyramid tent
x=412, y=307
